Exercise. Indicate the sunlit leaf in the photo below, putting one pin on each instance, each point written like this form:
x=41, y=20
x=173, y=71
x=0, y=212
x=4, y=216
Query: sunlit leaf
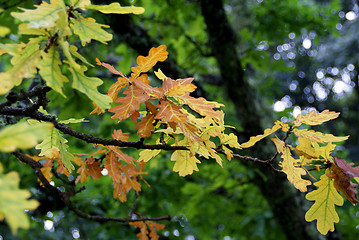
x=318, y=136
x=313, y=118
x=268, y=131
x=116, y=9
x=45, y=14
x=323, y=210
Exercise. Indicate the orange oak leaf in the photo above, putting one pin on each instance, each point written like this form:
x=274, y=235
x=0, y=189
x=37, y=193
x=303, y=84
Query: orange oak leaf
x=109, y=67
x=203, y=107
x=142, y=235
x=94, y=169
x=146, y=63
x=130, y=103
x=151, y=107
x=116, y=87
x=145, y=126
x=151, y=91
x=170, y=112
x=61, y=168
x=112, y=165
x=121, y=155
x=341, y=172
x=46, y=170
x=119, y=135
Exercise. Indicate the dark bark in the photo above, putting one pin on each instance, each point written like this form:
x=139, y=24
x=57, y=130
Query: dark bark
x=285, y=205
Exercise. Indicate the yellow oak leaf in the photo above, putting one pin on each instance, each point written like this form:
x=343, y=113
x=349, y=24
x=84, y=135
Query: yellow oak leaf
x=323, y=210
x=203, y=107
x=293, y=173
x=185, y=164
x=115, y=8
x=268, y=131
x=313, y=118
x=318, y=136
x=147, y=154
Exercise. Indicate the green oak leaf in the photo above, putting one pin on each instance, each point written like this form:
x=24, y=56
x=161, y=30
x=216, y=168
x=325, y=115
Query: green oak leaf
x=87, y=29
x=88, y=86
x=50, y=70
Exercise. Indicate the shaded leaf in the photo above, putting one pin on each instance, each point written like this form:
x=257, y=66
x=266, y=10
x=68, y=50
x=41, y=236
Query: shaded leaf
x=87, y=29
x=145, y=126
x=49, y=70
x=88, y=86
x=170, y=112
x=185, y=162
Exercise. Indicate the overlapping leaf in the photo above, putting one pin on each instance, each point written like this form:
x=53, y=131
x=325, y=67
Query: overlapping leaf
x=342, y=172
x=145, y=126
x=170, y=112
x=130, y=103
x=144, y=234
x=49, y=70
x=323, y=210
x=289, y=167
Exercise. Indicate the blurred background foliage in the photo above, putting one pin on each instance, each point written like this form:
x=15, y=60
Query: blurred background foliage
x=298, y=54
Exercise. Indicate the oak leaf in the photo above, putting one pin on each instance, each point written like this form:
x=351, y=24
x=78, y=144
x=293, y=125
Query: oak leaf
x=268, y=131
x=318, y=136
x=313, y=118
x=145, y=126
x=170, y=112
x=185, y=162
x=289, y=167
x=342, y=172
x=323, y=210
x=130, y=103
x=146, y=63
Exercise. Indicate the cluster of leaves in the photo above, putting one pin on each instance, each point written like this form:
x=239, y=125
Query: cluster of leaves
x=164, y=112
x=314, y=150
